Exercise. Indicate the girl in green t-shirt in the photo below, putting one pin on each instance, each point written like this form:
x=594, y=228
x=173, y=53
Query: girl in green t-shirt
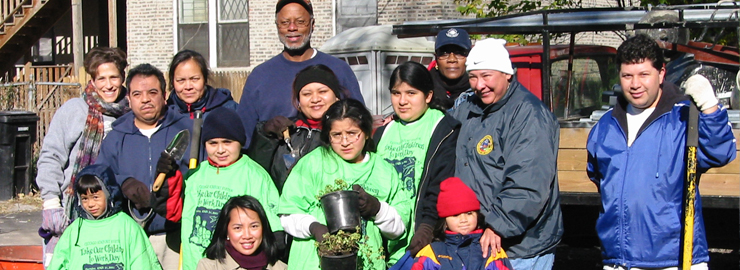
x=420, y=144
x=347, y=153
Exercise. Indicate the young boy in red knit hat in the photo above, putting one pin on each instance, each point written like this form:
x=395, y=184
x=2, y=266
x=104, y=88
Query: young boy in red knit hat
x=457, y=235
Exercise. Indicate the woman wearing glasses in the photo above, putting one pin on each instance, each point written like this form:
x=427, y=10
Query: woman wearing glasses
x=420, y=143
x=347, y=154
x=315, y=88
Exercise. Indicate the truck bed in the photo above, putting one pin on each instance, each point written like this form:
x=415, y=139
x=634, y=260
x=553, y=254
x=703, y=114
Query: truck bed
x=719, y=187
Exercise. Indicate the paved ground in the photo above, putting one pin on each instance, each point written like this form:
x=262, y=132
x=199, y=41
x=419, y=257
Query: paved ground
x=20, y=227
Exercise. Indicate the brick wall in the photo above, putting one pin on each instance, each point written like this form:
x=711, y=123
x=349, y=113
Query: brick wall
x=149, y=32
x=398, y=11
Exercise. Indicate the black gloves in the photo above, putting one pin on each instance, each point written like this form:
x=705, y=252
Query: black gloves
x=369, y=205
x=166, y=164
x=422, y=237
x=276, y=126
x=318, y=230
x=137, y=192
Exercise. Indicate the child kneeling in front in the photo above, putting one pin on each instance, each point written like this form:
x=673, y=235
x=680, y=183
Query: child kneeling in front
x=102, y=237
x=456, y=243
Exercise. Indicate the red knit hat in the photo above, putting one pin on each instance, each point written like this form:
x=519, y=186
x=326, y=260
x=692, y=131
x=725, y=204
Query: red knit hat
x=455, y=198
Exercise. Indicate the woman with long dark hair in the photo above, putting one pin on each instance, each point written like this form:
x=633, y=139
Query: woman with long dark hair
x=420, y=144
x=242, y=238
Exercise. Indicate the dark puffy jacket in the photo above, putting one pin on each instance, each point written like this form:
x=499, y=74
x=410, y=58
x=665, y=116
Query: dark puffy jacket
x=131, y=154
x=439, y=164
x=213, y=98
x=270, y=152
x=507, y=154
x=642, y=185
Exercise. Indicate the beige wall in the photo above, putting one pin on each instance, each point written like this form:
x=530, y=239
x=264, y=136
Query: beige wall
x=149, y=32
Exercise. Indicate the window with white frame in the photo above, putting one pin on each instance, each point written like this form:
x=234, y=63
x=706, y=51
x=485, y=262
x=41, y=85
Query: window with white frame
x=221, y=36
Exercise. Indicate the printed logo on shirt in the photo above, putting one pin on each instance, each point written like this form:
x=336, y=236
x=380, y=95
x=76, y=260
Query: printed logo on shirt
x=108, y=266
x=406, y=172
x=485, y=145
x=204, y=222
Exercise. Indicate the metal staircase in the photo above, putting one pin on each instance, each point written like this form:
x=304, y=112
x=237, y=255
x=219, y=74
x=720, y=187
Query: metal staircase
x=23, y=23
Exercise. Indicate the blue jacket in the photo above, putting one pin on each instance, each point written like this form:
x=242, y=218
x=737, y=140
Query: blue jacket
x=212, y=98
x=131, y=154
x=507, y=154
x=642, y=185
x=459, y=252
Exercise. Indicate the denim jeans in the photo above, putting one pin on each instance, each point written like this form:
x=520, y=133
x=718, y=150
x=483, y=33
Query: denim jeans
x=542, y=262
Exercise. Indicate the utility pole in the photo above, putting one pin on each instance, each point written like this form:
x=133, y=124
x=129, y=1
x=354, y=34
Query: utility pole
x=78, y=42
x=112, y=24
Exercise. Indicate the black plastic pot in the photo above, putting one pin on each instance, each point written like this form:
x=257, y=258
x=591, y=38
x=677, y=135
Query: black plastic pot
x=342, y=210
x=339, y=262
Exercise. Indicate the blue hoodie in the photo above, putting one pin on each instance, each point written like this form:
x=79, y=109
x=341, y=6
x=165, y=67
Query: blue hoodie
x=131, y=154
x=112, y=191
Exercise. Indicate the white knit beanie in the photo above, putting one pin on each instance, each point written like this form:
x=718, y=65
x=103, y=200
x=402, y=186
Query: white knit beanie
x=489, y=54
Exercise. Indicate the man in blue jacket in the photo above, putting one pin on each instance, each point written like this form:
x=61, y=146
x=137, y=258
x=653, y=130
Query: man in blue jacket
x=636, y=159
x=507, y=153
x=133, y=148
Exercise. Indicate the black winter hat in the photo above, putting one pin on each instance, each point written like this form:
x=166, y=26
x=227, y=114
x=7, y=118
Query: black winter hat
x=223, y=123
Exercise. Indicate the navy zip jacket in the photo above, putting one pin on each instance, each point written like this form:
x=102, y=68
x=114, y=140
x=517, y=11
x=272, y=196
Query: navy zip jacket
x=642, y=185
x=212, y=98
x=507, y=154
x=131, y=154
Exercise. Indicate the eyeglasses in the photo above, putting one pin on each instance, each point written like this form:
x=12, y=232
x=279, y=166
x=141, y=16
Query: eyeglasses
x=349, y=136
x=458, y=54
x=301, y=23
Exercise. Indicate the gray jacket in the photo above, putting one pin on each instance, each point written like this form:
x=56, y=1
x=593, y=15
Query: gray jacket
x=61, y=144
x=507, y=153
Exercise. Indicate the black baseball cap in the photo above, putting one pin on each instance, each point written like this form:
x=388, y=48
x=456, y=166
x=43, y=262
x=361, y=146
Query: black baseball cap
x=453, y=36
x=303, y=3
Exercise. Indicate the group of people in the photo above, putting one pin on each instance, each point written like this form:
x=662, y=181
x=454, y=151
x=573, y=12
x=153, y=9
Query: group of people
x=463, y=175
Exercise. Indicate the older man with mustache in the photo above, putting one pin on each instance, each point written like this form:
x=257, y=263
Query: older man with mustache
x=267, y=92
x=132, y=150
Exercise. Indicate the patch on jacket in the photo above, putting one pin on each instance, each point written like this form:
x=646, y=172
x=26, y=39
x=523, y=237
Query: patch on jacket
x=485, y=145
x=444, y=257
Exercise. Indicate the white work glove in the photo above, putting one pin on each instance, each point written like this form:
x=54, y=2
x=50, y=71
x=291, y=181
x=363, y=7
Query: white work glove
x=701, y=91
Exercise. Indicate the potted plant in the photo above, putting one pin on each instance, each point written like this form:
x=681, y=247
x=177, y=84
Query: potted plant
x=341, y=206
x=339, y=251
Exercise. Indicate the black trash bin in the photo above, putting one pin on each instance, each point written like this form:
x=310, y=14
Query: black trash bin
x=17, y=135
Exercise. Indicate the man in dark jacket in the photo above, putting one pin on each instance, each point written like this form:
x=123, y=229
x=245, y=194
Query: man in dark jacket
x=636, y=159
x=133, y=148
x=507, y=153
x=449, y=76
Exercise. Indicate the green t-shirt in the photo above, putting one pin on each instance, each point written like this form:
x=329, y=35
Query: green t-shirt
x=113, y=243
x=207, y=189
x=320, y=168
x=405, y=145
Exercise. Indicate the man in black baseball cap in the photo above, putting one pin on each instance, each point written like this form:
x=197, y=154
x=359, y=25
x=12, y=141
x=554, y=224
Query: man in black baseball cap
x=450, y=79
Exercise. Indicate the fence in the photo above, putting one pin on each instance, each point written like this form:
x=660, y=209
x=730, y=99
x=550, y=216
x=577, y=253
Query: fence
x=39, y=89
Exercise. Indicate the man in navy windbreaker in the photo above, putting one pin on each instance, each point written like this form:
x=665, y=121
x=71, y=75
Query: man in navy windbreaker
x=636, y=159
x=133, y=148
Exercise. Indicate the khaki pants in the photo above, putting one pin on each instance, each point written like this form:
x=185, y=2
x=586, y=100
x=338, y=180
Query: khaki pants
x=169, y=259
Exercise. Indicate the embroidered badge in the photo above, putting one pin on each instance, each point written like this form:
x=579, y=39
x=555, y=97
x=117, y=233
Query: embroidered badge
x=452, y=33
x=485, y=145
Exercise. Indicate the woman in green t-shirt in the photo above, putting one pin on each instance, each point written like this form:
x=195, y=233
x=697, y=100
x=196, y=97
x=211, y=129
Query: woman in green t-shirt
x=420, y=144
x=346, y=153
